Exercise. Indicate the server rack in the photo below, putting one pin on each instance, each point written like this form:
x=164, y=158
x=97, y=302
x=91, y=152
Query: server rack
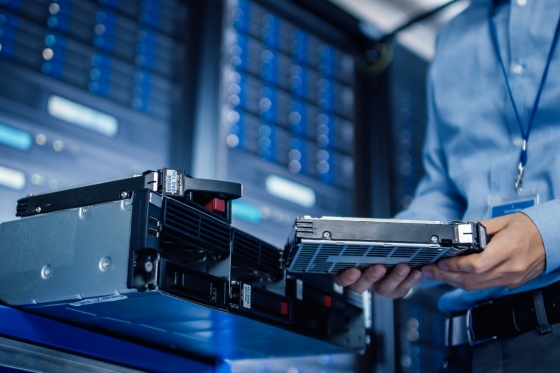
x=294, y=104
x=419, y=325
x=90, y=90
x=408, y=121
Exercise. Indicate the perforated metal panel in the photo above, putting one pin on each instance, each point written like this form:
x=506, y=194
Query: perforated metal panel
x=326, y=257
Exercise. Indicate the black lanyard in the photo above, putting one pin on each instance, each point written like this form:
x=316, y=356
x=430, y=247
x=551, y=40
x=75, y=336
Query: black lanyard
x=524, y=133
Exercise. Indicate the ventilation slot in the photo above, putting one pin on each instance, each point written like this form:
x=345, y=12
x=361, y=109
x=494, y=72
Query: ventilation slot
x=342, y=266
x=256, y=253
x=354, y=251
x=424, y=256
x=306, y=253
x=22, y=205
x=379, y=252
x=307, y=225
x=186, y=223
x=404, y=253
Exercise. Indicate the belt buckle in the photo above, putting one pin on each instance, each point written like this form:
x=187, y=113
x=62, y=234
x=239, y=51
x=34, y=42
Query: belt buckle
x=470, y=330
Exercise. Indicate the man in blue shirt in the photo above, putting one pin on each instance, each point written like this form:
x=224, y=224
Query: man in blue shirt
x=493, y=148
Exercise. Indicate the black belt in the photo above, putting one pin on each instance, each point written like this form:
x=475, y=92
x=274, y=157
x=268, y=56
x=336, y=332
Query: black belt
x=506, y=317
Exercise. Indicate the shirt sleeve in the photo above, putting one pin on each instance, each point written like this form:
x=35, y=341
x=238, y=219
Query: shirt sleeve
x=545, y=216
x=436, y=197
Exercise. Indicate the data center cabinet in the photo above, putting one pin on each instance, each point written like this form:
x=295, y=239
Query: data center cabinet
x=92, y=90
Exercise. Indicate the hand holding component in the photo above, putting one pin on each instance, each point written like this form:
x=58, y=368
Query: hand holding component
x=514, y=256
x=395, y=284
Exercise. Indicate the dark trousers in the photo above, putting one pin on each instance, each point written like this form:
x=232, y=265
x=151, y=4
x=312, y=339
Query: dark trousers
x=529, y=352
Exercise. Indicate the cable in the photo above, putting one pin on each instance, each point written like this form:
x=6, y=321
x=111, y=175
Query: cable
x=418, y=18
x=378, y=58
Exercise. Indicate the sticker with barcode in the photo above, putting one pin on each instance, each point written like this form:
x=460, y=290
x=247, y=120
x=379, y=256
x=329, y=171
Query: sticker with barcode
x=246, y=296
x=110, y=298
x=172, y=182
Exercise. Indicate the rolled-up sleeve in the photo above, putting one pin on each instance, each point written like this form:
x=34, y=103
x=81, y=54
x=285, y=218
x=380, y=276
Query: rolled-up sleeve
x=546, y=218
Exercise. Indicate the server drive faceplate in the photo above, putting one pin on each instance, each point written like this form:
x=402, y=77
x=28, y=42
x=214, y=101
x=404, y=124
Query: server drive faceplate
x=331, y=245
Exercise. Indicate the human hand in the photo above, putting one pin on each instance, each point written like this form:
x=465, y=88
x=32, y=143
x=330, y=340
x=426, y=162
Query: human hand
x=514, y=256
x=395, y=285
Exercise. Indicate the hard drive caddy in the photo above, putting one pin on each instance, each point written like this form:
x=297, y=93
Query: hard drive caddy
x=333, y=244
x=212, y=195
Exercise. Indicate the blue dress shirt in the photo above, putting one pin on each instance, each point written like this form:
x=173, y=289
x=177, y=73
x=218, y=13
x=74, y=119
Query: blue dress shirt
x=473, y=140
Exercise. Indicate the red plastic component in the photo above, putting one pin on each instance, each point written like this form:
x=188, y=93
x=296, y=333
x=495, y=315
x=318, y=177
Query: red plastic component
x=283, y=308
x=327, y=301
x=216, y=205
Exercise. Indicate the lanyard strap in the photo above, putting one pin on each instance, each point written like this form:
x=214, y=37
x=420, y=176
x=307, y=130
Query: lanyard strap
x=524, y=134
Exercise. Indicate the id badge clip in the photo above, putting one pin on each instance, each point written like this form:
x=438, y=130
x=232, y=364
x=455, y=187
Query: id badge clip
x=510, y=204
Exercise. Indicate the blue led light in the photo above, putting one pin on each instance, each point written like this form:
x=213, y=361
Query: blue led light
x=243, y=16
x=300, y=47
x=95, y=74
x=15, y=138
x=99, y=60
x=93, y=87
x=46, y=68
x=50, y=40
x=142, y=93
x=271, y=30
x=96, y=60
x=245, y=211
x=52, y=22
x=241, y=133
x=100, y=17
x=234, y=129
x=98, y=42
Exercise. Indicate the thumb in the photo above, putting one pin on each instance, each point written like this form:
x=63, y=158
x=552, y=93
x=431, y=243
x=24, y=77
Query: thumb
x=495, y=225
